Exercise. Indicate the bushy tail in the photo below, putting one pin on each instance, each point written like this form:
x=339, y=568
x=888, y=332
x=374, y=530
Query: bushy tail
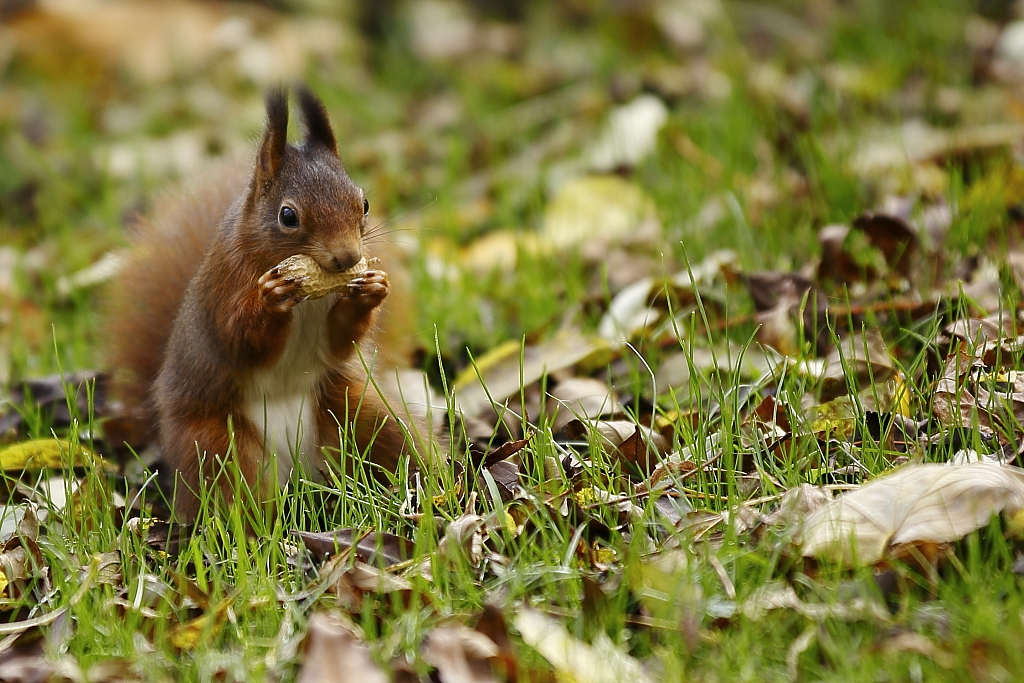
x=167, y=248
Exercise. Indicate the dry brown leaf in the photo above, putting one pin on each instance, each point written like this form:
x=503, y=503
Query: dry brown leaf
x=463, y=540
x=636, y=444
x=893, y=236
x=460, y=654
x=492, y=624
x=915, y=503
x=866, y=355
x=784, y=301
x=334, y=653
x=35, y=668
x=373, y=547
x=506, y=478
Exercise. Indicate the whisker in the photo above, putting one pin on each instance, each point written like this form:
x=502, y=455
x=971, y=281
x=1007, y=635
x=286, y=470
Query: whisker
x=402, y=215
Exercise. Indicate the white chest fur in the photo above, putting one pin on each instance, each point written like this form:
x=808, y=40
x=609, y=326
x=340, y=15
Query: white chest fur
x=281, y=399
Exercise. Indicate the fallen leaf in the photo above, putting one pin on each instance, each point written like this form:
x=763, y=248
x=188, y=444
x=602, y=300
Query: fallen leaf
x=594, y=212
x=582, y=398
x=460, y=654
x=463, y=540
x=915, y=503
x=87, y=391
x=189, y=635
x=883, y=151
x=776, y=595
x=377, y=548
x=334, y=653
x=47, y=454
x=574, y=660
x=492, y=624
x=102, y=271
x=636, y=444
x=893, y=236
x=861, y=360
x=915, y=643
x=33, y=668
x=501, y=375
x=630, y=136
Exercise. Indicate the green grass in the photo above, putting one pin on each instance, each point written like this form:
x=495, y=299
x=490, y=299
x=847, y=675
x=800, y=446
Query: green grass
x=60, y=206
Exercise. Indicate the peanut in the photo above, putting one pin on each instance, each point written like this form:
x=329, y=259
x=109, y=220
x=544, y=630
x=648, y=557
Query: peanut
x=315, y=281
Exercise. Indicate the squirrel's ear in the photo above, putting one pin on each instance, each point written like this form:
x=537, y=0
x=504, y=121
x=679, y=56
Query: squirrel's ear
x=275, y=136
x=318, y=125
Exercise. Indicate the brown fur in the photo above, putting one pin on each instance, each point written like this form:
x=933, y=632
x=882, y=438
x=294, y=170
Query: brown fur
x=194, y=321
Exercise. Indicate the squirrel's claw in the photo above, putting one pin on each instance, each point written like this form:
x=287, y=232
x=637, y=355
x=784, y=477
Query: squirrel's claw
x=369, y=289
x=280, y=294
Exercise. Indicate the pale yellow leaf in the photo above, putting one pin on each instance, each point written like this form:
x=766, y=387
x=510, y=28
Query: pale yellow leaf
x=915, y=503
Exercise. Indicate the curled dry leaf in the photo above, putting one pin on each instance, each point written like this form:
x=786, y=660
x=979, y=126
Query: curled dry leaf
x=786, y=302
x=574, y=660
x=377, y=548
x=334, y=653
x=896, y=239
x=460, y=654
x=463, y=539
x=974, y=333
x=636, y=444
x=915, y=503
x=505, y=476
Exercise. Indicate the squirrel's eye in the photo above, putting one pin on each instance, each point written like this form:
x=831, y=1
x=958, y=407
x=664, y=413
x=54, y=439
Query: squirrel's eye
x=288, y=217
x=366, y=206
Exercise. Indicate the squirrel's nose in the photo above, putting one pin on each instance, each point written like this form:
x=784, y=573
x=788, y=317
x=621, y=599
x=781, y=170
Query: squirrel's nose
x=342, y=262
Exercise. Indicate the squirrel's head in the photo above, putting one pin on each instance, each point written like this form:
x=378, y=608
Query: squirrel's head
x=300, y=200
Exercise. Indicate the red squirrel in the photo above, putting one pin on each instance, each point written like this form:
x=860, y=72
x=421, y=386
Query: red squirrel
x=207, y=333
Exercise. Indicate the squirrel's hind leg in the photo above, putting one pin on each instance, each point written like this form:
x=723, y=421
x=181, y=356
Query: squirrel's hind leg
x=197, y=452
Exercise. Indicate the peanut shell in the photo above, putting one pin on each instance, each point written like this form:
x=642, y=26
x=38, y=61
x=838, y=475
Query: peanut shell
x=315, y=281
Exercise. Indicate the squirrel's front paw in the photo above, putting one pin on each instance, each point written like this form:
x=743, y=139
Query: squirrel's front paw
x=280, y=293
x=369, y=289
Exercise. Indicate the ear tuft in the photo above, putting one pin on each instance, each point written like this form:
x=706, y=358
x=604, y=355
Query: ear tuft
x=275, y=136
x=318, y=125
